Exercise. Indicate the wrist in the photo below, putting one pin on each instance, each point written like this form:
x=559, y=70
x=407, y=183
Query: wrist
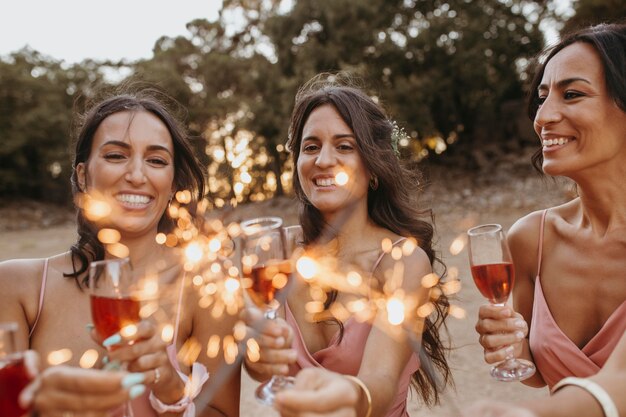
x=170, y=391
x=364, y=395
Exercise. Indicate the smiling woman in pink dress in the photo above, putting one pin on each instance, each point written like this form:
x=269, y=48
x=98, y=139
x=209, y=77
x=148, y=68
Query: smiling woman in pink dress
x=570, y=261
x=133, y=154
x=338, y=129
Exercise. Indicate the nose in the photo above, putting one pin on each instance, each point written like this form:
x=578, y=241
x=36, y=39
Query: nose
x=326, y=157
x=549, y=111
x=135, y=173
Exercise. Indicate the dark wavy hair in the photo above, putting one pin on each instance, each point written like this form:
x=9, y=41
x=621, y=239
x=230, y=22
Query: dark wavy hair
x=609, y=41
x=392, y=205
x=188, y=173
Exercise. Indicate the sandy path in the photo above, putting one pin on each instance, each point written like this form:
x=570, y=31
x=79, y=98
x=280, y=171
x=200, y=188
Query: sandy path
x=470, y=373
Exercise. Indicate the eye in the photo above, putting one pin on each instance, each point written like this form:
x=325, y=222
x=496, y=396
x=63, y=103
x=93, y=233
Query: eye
x=570, y=95
x=114, y=156
x=345, y=147
x=310, y=148
x=158, y=161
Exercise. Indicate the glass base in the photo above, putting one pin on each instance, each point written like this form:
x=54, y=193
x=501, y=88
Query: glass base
x=513, y=370
x=266, y=392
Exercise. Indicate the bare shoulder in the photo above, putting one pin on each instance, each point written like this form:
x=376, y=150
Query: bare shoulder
x=415, y=262
x=19, y=274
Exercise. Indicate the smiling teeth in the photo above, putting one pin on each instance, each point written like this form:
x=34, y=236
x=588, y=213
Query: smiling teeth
x=133, y=199
x=557, y=141
x=325, y=182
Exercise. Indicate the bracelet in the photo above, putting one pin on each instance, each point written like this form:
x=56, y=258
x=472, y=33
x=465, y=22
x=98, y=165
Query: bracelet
x=593, y=388
x=193, y=385
x=363, y=387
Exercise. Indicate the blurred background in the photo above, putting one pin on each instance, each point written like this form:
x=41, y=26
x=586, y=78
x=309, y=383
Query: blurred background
x=452, y=73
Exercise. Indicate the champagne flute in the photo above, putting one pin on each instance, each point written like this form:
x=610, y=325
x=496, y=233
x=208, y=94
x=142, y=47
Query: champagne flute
x=13, y=374
x=266, y=271
x=493, y=272
x=114, y=301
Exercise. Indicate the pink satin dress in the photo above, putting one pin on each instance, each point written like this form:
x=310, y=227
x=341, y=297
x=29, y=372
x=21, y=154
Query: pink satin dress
x=555, y=355
x=345, y=356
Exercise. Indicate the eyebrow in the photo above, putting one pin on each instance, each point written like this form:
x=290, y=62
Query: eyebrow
x=564, y=83
x=335, y=137
x=127, y=146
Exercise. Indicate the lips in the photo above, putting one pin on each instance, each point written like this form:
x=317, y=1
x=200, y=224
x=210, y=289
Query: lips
x=136, y=200
x=324, y=182
x=555, y=141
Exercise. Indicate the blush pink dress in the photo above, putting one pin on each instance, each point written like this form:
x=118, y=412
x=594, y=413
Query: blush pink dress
x=555, y=355
x=141, y=405
x=345, y=356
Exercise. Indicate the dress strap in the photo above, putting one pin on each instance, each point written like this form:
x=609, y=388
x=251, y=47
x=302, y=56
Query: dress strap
x=540, y=246
x=382, y=255
x=42, y=291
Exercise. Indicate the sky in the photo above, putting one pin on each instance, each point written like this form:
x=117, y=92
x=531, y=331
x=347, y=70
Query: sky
x=72, y=30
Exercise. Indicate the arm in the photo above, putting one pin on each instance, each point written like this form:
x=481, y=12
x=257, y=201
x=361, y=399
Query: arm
x=226, y=400
x=385, y=356
x=19, y=295
x=503, y=328
x=570, y=400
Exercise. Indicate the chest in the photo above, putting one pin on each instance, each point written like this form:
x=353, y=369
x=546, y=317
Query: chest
x=584, y=284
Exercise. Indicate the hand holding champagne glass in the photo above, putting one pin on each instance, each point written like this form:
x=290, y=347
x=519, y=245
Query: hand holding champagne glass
x=494, y=275
x=13, y=374
x=266, y=271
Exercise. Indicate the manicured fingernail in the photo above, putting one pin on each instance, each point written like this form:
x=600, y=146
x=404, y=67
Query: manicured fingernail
x=105, y=360
x=280, y=342
x=509, y=350
x=89, y=327
x=519, y=335
x=520, y=323
x=113, y=366
x=132, y=379
x=112, y=340
x=136, y=391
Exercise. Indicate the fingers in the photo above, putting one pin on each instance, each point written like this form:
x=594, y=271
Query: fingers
x=31, y=361
x=73, y=389
x=339, y=394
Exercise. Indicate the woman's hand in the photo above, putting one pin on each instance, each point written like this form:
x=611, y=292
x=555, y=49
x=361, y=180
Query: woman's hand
x=274, y=338
x=319, y=392
x=145, y=351
x=63, y=390
x=502, y=332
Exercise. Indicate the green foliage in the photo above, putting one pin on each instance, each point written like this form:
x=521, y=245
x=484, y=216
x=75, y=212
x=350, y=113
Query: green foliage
x=445, y=70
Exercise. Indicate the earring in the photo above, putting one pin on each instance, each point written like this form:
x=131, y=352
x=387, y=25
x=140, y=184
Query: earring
x=374, y=182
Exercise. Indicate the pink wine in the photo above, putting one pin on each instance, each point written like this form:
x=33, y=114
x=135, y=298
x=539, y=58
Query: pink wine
x=263, y=287
x=110, y=315
x=494, y=281
x=13, y=379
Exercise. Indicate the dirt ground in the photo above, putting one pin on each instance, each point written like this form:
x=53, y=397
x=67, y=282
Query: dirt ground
x=457, y=208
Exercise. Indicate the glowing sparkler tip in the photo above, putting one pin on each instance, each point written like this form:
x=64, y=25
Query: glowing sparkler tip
x=306, y=267
x=395, y=311
x=342, y=178
x=193, y=252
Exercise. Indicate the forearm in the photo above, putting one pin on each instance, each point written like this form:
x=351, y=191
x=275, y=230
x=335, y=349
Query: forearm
x=572, y=400
x=535, y=381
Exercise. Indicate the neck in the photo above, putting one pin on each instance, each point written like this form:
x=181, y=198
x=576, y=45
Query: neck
x=603, y=201
x=352, y=228
x=144, y=251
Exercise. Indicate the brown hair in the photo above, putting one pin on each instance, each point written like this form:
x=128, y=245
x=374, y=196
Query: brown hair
x=188, y=173
x=609, y=41
x=392, y=205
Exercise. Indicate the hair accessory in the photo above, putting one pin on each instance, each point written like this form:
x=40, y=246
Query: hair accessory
x=366, y=391
x=397, y=134
x=593, y=388
x=193, y=385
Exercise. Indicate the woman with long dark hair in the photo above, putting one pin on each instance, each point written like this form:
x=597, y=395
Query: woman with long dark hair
x=338, y=129
x=133, y=155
